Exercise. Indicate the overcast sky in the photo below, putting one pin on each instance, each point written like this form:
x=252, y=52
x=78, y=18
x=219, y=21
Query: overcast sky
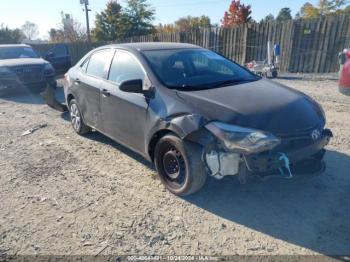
x=46, y=13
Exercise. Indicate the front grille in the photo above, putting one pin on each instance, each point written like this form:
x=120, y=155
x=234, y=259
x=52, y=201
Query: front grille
x=29, y=74
x=298, y=140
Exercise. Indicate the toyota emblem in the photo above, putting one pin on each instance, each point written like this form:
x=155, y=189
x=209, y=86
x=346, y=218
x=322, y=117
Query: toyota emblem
x=316, y=134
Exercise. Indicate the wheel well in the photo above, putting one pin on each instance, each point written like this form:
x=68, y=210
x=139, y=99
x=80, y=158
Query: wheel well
x=69, y=98
x=156, y=137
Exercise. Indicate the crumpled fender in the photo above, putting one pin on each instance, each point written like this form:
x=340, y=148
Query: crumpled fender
x=184, y=125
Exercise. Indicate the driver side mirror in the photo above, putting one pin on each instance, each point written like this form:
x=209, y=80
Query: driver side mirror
x=133, y=86
x=49, y=55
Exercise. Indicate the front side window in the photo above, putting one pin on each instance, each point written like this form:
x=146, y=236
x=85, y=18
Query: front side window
x=194, y=69
x=17, y=52
x=85, y=64
x=97, y=63
x=124, y=68
x=60, y=51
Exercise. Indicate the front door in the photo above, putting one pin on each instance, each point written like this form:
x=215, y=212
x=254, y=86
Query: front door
x=124, y=114
x=60, y=58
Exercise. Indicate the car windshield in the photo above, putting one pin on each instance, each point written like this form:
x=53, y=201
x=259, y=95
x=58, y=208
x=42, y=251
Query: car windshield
x=17, y=52
x=195, y=69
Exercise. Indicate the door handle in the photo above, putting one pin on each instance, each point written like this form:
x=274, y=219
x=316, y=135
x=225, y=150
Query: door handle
x=105, y=92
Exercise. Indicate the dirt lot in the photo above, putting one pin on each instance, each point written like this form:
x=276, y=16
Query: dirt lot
x=65, y=194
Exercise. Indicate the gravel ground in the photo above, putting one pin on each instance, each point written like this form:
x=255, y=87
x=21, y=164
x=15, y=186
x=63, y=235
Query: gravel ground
x=64, y=194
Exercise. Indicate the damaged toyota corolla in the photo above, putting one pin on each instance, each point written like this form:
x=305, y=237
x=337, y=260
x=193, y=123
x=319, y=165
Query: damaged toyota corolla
x=195, y=113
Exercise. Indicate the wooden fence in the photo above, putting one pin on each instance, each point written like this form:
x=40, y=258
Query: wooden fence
x=307, y=46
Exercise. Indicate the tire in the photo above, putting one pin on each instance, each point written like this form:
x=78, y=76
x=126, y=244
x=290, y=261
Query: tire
x=274, y=74
x=76, y=119
x=179, y=165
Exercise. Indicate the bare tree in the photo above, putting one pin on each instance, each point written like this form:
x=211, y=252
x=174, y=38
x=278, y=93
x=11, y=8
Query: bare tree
x=69, y=30
x=74, y=32
x=30, y=30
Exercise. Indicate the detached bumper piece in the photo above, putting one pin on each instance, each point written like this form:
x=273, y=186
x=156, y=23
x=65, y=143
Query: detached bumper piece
x=50, y=98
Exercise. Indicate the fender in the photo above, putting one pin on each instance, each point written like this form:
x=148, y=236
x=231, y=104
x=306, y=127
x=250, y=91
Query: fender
x=182, y=124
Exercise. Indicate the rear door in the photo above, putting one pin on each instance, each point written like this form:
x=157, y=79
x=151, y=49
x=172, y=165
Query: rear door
x=124, y=114
x=60, y=58
x=89, y=82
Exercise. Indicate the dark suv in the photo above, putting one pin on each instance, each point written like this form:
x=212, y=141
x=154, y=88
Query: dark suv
x=21, y=66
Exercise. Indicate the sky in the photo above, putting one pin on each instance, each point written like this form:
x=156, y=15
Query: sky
x=46, y=13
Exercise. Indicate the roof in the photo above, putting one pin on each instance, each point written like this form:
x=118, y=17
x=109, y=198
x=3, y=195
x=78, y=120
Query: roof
x=155, y=46
x=14, y=45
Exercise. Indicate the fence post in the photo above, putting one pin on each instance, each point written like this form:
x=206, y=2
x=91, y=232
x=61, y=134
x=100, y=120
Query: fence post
x=245, y=40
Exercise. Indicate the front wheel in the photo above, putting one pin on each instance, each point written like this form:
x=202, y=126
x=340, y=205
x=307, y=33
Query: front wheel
x=76, y=119
x=179, y=165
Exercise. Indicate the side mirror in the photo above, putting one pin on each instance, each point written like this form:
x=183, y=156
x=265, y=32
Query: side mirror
x=49, y=55
x=132, y=86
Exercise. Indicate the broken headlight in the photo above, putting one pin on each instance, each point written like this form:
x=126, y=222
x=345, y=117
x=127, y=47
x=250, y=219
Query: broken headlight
x=243, y=140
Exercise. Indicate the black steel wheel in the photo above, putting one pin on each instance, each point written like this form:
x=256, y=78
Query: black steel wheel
x=179, y=165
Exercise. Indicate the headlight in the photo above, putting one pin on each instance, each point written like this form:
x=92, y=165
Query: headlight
x=243, y=140
x=4, y=71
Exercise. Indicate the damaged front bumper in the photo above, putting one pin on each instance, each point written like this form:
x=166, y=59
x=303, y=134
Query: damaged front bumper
x=282, y=160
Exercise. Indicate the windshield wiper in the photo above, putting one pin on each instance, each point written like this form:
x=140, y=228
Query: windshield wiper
x=186, y=87
x=230, y=82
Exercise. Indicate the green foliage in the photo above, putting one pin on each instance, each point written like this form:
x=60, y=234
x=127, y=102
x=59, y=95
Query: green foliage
x=268, y=18
x=116, y=23
x=324, y=8
x=140, y=16
x=284, y=15
x=10, y=36
x=185, y=24
x=190, y=22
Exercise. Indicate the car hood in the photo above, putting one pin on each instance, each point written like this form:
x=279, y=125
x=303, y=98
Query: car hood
x=22, y=62
x=263, y=105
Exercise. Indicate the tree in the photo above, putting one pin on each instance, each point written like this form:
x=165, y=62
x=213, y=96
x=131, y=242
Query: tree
x=140, y=16
x=111, y=24
x=115, y=23
x=284, y=15
x=30, y=30
x=10, y=36
x=237, y=14
x=166, y=28
x=324, y=8
x=70, y=30
x=185, y=24
x=190, y=22
x=268, y=18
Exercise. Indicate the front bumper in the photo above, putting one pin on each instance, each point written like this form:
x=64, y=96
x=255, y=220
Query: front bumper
x=221, y=163
x=345, y=90
x=270, y=161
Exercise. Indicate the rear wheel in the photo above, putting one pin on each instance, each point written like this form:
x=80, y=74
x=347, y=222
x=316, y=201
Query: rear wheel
x=179, y=165
x=76, y=119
